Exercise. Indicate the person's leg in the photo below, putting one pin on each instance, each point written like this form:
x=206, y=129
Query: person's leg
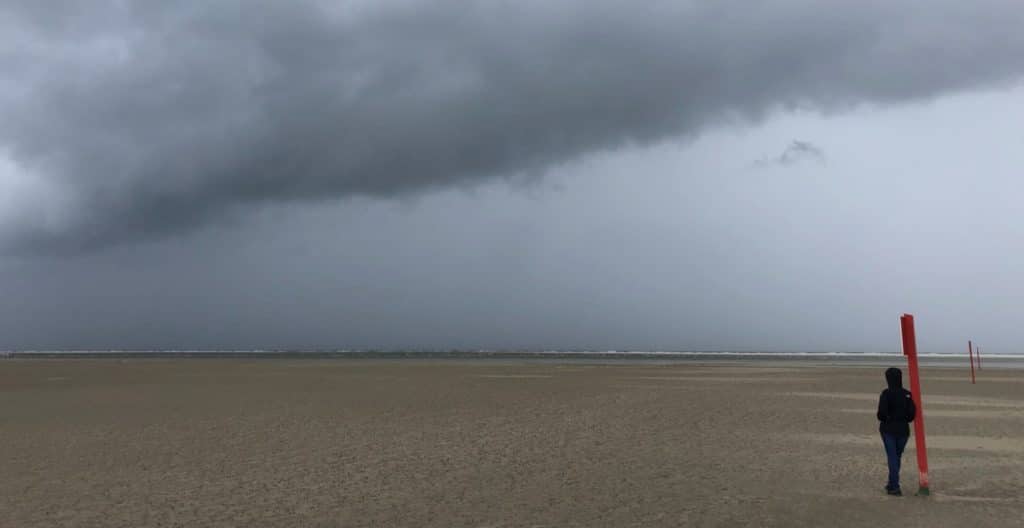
x=892, y=457
x=901, y=443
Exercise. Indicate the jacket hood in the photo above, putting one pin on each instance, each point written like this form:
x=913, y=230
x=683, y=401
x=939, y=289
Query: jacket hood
x=894, y=377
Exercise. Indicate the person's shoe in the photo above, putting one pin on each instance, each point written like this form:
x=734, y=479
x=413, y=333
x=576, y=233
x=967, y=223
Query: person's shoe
x=894, y=491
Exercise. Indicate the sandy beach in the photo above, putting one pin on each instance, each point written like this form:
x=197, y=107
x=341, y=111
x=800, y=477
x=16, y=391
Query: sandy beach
x=498, y=444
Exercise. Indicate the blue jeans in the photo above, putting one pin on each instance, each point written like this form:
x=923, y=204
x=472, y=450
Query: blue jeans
x=894, y=445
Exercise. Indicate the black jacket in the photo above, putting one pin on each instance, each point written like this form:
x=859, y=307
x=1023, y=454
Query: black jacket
x=896, y=407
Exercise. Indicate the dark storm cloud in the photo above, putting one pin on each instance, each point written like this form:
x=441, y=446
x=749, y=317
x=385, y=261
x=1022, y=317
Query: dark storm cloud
x=796, y=152
x=144, y=121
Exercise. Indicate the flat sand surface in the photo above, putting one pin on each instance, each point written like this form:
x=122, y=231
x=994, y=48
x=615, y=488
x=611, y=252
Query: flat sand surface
x=254, y=443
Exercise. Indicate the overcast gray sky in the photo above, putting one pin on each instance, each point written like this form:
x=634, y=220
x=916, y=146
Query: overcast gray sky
x=727, y=175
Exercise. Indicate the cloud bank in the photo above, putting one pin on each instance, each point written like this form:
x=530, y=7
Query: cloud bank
x=122, y=122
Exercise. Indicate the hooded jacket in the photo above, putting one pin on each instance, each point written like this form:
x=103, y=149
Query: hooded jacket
x=896, y=407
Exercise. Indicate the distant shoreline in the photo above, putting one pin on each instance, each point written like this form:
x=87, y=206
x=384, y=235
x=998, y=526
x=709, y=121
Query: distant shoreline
x=852, y=358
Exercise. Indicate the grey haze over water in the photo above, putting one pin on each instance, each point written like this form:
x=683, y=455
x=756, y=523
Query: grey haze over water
x=405, y=174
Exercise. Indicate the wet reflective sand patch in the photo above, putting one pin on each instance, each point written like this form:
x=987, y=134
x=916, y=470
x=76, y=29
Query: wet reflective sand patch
x=950, y=413
x=512, y=376
x=725, y=379
x=967, y=379
x=950, y=442
x=929, y=400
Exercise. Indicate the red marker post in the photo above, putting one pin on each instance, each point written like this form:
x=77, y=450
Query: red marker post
x=910, y=350
x=970, y=355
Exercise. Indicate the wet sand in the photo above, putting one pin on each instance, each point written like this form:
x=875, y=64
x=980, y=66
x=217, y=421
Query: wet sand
x=405, y=443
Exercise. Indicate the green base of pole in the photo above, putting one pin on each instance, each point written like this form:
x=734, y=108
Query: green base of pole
x=923, y=492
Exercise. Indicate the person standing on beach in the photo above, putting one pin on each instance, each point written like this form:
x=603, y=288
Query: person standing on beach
x=895, y=412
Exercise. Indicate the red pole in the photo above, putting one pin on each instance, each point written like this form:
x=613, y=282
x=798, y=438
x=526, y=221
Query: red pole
x=910, y=350
x=970, y=355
